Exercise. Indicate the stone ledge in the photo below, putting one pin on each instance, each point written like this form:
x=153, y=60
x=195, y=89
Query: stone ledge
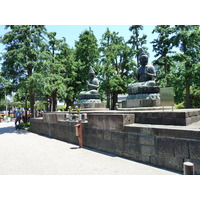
x=132, y=103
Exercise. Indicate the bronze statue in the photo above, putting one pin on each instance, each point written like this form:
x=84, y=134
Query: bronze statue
x=92, y=84
x=145, y=74
x=146, y=87
x=92, y=94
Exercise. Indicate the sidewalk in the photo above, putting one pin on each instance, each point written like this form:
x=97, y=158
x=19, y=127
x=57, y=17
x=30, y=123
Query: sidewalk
x=26, y=153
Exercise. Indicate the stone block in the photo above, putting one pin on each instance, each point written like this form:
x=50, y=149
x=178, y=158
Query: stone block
x=146, y=131
x=133, y=149
x=174, y=163
x=147, y=150
x=164, y=147
x=147, y=140
x=157, y=161
x=133, y=103
x=53, y=117
x=100, y=134
x=194, y=149
x=91, y=105
x=119, y=136
x=108, y=121
x=132, y=138
x=107, y=135
x=145, y=158
x=149, y=102
x=181, y=148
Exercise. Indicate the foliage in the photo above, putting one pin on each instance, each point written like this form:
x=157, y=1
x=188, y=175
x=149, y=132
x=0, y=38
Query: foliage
x=37, y=64
x=70, y=74
x=87, y=53
x=137, y=41
x=5, y=87
x=195, y=97
x=116, y=64
x=187, y=38
x=178, y=69
x=78, y=109
x=61, y=107
x=70, y=109
x=162, y=45
x=23, y=45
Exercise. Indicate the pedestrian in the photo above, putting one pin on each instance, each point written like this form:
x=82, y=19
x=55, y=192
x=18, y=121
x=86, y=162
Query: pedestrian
x=18, y=116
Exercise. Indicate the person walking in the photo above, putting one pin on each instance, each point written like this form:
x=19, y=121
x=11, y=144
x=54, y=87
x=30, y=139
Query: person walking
x=18, y=116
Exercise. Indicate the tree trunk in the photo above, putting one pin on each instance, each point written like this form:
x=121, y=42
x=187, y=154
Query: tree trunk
x=187, y=100
x=108, y=98
x=54, y=100
x=187, y=88
x=114, y=99
x=68, y=103
x=32, y=102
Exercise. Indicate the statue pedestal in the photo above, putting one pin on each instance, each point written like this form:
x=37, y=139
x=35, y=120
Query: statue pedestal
x=92, y=106
x=91, y=102
x=142, y=96
x=140, y=103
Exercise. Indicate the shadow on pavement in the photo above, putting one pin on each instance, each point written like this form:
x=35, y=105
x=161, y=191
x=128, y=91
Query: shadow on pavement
x=11, y=129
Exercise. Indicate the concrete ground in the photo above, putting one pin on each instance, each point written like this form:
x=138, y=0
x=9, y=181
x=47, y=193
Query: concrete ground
x=26, y=153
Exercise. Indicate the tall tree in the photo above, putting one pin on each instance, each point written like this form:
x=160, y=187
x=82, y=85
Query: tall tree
x=187, y=39
x=137, y=41
x=116, y=63
x=23, y=47
x=163, y=47
x=87, y=53
x=70, y=68
x=54, y=79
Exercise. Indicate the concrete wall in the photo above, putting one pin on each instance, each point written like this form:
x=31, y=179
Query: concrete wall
x=114, y=133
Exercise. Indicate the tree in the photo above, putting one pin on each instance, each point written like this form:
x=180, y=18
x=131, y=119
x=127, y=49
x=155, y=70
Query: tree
x=163, y=47
x=5, y=87
x=187, y=39
x=137, y=41
x=53, y=73
x=70, y=68
x=87, y=53
x=116, y=63
x=23, y=45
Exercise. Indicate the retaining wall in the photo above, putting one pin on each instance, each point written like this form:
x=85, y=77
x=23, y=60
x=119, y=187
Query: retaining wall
x=115, y=133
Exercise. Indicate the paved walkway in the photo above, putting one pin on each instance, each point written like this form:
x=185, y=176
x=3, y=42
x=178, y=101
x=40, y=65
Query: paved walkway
x=26, y=153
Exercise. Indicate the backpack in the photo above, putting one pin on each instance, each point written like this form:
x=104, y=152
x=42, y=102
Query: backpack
x=18, y=114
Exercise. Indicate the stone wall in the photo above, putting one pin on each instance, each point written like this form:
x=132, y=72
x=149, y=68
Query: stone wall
x=115, y=133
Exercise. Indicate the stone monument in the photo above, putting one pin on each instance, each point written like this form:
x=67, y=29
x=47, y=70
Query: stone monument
x=91, y=97
x=145, y=92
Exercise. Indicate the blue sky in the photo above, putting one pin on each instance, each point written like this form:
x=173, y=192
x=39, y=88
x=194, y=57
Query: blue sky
x=72, y=32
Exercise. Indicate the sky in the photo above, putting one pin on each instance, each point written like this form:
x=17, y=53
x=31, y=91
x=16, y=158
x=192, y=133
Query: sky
x=72, y=32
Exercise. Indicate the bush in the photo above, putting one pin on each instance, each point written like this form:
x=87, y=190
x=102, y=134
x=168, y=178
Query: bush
x=25, y=125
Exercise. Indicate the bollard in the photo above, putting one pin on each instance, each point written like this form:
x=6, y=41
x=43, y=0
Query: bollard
x=188, y=168
x=79, y=133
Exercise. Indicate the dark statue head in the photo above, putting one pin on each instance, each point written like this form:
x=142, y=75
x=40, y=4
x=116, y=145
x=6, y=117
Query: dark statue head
x=143, y=59
x=91, y=73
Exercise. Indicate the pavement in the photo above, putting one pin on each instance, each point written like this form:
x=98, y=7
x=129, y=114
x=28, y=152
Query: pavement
x=26, y=153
